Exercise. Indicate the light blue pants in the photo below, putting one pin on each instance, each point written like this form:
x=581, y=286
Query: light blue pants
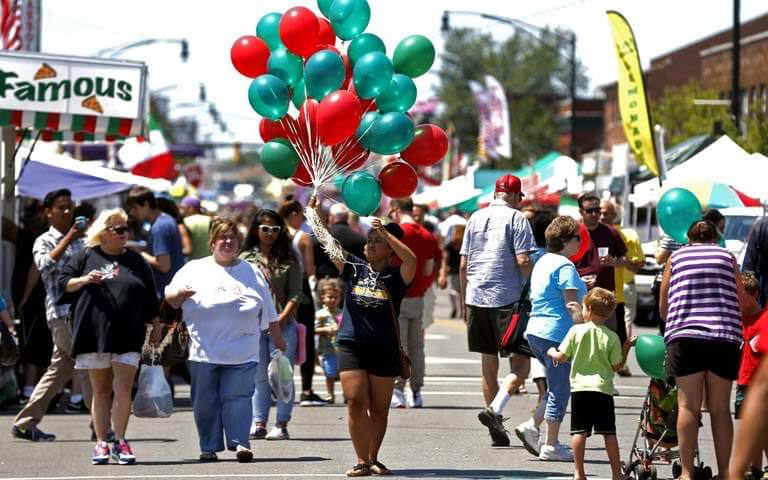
x=558, y=379
x=262, y=397
x=221, y=403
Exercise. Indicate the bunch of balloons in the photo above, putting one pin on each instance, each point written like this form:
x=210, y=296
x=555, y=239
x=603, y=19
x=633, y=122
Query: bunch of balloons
x=349, y=104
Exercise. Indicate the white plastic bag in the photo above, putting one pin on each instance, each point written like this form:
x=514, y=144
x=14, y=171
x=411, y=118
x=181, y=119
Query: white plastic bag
x=280, y=375
x=154, y=398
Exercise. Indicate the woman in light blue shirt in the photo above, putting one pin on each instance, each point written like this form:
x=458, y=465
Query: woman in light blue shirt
x=556, y=290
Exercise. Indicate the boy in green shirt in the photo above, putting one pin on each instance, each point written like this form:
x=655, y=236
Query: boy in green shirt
x=595, y=354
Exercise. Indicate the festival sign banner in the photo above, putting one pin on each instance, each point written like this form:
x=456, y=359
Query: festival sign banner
x=83, y=97
x=493, y=113
x=633, y=104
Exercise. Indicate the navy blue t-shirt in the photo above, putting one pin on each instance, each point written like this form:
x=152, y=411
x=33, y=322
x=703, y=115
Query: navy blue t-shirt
x=369, y=300
x=164, y=239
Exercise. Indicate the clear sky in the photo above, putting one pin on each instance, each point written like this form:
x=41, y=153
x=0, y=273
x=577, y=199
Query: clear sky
x=82, y=27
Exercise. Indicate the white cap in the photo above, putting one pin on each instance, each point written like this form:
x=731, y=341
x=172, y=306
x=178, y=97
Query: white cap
x=339, y=209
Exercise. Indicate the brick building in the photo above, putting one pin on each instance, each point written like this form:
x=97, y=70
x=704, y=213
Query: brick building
x=706, y=62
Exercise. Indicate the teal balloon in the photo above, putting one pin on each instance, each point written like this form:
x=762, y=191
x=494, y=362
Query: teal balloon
x=372, y=74
x=365, y=129
x=325, y=7
x=298, y=95
x=650, y=352
x=268, y=96
x=324, y=73
x=414, y=56
x=677, y=209
x=361, y=193
x=365, y=43
x=286, y=66
x=279, y=158
x=349, y=18
x=399, y=96
x=392, y=133
x=268, y=29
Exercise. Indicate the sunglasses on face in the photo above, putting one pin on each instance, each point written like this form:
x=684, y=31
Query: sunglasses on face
x=119, y=230
x=592, y=211
x=273, y=229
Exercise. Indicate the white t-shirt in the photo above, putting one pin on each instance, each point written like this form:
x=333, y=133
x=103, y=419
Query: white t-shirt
x=226, y=316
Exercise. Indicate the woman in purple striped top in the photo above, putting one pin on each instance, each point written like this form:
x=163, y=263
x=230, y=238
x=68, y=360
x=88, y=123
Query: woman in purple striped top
x=700, y=301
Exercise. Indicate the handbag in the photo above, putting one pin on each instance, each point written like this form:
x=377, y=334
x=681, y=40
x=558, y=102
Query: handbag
x=174, y=346
x=512, y=328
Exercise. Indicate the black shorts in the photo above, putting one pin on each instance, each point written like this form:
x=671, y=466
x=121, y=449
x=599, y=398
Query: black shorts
x=687, y=356
x=374, y=359
x=592, y=410
x=484, y=326
x=738, y=402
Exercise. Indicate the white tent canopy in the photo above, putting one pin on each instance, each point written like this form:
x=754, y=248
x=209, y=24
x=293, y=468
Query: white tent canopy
x=48, y=171
x=450, y=192
x=723, y=161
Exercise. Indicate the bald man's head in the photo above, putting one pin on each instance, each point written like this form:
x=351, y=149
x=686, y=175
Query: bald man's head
x=608, y=212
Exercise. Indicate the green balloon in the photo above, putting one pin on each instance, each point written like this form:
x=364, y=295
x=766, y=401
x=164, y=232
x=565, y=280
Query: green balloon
x=324, y=73
x=364, y=43
x=361, y=193
x=349, y=18
x=364, y=132
x=414, y=56
x=286, y=66
x=268, y=96
x=372, y=74
x=677, y=209
x=299, y=94
x=650, y=352
x=279, y=160
x=268, y=29
x=392, y=133
x=399, y=96
x=325, y=7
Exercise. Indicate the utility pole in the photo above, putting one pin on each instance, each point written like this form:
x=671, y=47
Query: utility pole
x=736, y=66
x=572, y=87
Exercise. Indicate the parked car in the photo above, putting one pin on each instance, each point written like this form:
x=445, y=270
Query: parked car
x=646, y=303
x=738, y=225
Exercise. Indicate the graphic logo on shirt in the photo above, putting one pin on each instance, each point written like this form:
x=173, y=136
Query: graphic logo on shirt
x=110, y=271
x=370, y=291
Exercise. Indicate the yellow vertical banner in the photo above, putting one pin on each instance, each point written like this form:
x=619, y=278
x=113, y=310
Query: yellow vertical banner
x=633, y=103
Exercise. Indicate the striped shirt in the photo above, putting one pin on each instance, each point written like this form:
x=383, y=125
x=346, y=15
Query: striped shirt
x=49, y=269
x=703, y=302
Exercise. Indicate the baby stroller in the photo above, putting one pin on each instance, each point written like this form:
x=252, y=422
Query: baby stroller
x=655, y=441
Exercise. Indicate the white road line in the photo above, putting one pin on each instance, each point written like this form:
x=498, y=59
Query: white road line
x=191, y=475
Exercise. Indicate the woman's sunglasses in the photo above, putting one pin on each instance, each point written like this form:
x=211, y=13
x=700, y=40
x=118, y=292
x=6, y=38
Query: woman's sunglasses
x=273, y=229
x=119, y=230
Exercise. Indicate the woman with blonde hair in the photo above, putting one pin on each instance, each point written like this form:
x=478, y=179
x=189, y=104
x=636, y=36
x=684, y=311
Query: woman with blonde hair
x=113, y=297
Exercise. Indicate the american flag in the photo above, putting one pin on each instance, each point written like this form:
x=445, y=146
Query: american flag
x=10, y=24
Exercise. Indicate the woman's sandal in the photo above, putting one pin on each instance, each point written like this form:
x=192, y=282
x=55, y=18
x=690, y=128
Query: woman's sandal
x=359, y=470
x=378, y=468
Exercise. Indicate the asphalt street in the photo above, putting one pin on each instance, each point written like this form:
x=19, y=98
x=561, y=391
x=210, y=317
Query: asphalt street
x=442, y=440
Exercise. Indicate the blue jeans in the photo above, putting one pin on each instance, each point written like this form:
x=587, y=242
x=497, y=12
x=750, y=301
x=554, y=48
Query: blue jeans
x=558, y=379
x=220, y=403
x=262, y=397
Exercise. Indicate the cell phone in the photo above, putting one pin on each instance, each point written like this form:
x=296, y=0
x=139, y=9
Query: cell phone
x=81, y=223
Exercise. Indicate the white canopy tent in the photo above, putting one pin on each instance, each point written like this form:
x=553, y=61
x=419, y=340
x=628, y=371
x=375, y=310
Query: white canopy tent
x=722, y=161
x=450, y=192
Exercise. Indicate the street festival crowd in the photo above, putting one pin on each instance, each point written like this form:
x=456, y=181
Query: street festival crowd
x=221, y=300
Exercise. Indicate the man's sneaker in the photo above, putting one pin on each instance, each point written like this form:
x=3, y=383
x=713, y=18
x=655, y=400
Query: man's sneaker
x=76, y=407
x=257, y=433
x=529, y=435
x=278, y=433
x=311, y=400
x=558, y=453
x=495, y=427
x=416, y=401
x=398, y=399
x=244, y=455
x=32, y=434
x=208, y=457
x=100, y=455
x=123, y=454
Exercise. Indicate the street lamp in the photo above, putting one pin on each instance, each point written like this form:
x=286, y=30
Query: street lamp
x=520, y=25
x=115, y=51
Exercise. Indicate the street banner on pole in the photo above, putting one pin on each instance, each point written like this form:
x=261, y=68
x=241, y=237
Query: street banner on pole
x=633, y=103
x=493, y=113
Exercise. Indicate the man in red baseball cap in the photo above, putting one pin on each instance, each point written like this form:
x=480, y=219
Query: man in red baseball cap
x=509, y=184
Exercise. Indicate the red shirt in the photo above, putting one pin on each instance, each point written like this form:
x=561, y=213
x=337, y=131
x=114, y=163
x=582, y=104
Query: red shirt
x=753, y=326
x=426, y=247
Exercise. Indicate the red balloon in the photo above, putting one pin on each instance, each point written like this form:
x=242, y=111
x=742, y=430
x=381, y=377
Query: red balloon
x=306, y=124
x=350, y=155
x=269, y=129
x=348, y=70
x=584, y=243
x=249, y=55
x=298, y=30
x=301, y=176
x=398, y=179
x=429, y=146
x=325, y=33
x=338, y=117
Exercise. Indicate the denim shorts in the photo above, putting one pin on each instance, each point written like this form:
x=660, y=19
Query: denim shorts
x=92, y=361
x=330, y=364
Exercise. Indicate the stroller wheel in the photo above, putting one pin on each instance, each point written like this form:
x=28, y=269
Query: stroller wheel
x=677, y=470
x=641, y=473
x=702, y=473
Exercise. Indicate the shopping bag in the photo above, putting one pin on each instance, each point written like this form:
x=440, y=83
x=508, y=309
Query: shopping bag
x=280, y=374
x=301, y=347
x=153, y=398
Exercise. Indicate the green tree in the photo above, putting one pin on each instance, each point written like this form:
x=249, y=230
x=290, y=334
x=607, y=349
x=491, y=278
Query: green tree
x=534, y=73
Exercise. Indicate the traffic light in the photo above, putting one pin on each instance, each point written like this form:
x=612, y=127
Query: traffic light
x=203, y=96
x=184, y=50
x=446, y=27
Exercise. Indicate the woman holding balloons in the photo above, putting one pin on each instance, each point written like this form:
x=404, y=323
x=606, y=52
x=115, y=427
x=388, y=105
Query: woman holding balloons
x=700, y=303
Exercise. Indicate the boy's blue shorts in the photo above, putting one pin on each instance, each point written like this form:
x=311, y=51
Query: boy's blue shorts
x=330, y=365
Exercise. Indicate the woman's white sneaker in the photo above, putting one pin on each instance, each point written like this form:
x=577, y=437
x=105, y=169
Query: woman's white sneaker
x=558, y=453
